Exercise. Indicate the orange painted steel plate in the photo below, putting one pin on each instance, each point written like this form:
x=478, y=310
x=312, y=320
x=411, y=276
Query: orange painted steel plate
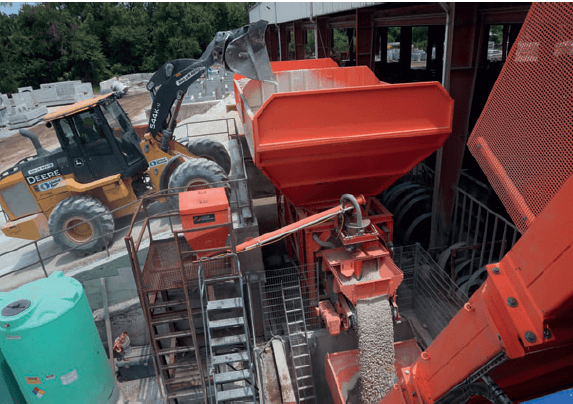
x=326, y=132
x=342, y=367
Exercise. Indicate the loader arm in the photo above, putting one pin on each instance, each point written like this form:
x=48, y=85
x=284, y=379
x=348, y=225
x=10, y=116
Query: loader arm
x=242, y=51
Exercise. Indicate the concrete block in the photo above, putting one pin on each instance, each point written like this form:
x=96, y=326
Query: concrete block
x=83, y=91
x=3, y=116
x=127, y=316
x=46, y=96
x=25, y=99
x=24, y=118
x=5, y=101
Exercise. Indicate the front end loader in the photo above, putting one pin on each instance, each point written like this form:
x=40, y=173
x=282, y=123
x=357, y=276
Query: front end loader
x=104, y=163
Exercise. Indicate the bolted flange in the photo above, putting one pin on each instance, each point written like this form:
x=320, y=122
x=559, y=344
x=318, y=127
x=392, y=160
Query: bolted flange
x=495, y=270
x=512, y=301
x=530, y=337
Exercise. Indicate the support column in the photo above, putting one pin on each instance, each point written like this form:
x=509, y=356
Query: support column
x=284, y=36
x=382, y=35
x=468, y=33
x=299, y=41
x=364, y=36
x=272, y=40
x=322, y=38
x=405, y=53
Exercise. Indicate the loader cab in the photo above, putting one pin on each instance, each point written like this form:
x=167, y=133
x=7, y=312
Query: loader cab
x=98, y=140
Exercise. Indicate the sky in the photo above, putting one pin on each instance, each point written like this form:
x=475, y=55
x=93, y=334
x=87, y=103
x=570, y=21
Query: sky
x=13, y=9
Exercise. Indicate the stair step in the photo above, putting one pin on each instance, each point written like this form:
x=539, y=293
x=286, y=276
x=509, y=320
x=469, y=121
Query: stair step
x=292, y=299
x=187, y=379
x=225, y=341
x=186, y=393
x=169, y=317
x=233, y=303
x=235, y=394
x=230, y=358
x=304, y=377
x=230, y=377
x=176, y=334
x=294, y=310
x=299, y=345
x=307, y=398
x=183, y=365
x=290, y=287
x=301, y=355
x=176, y=349
x=168, y=303
x=309, y=386
x=226, y=323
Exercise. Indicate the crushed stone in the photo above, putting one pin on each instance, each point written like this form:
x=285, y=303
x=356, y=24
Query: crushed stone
x=376, y=344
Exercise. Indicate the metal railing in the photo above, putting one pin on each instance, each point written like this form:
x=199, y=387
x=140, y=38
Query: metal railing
x=273, y=309
x=38, y=254
x=478, y=237
x=426, y=289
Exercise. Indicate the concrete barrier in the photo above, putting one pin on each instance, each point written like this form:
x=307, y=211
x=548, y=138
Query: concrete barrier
x=28, y=106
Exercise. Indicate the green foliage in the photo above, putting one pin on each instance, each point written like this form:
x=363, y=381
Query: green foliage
x=47, y=42
x=496, y=34
x=341, y=40
x=420, y=37
x=393, y=34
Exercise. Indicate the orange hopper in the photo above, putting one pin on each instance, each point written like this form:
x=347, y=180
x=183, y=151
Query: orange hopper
x=321, y=132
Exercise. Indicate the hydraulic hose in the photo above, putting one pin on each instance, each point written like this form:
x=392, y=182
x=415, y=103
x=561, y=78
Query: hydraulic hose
x=350, y=198
x=325, y=244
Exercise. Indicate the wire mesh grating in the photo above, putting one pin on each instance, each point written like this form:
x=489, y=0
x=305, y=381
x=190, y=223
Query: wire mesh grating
x=427, y=289
x=523, y=139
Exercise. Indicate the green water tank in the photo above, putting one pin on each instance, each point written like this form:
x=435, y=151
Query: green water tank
x=9, y=391
x=50, y=341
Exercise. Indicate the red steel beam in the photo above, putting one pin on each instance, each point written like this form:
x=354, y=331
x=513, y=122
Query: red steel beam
x=322, y=37
x=468, y=38
x=299, y=42
x=284, y=38
x=364, y=35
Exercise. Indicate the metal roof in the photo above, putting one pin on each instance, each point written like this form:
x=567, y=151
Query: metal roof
x=277, y=12
x=75, y=108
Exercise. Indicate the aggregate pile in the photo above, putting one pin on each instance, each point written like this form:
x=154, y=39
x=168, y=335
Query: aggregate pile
x=376, y=344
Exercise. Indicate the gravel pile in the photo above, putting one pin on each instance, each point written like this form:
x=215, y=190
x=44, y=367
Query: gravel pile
x=369, y=273
x=376, y=344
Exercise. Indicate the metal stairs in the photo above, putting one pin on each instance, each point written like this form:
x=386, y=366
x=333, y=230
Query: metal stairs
x=230, y=369
x=297, y=335
x=175, y=347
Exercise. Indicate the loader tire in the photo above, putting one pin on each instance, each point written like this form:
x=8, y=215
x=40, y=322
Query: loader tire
x=211, y=150
x=85, y=238
x=196, y=174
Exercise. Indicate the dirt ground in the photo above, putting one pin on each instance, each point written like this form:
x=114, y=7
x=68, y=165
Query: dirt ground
x=16, y=147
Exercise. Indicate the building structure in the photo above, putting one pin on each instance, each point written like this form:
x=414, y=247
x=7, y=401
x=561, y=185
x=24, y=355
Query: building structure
x=458, y=40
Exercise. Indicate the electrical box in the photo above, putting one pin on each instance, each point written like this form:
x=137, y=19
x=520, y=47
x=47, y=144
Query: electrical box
x=205, y=208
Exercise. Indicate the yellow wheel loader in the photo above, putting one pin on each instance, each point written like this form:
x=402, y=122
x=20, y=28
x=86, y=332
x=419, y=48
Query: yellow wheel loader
x=105, y=163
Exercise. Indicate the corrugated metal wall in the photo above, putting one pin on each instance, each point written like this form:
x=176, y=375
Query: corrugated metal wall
x=285, y=12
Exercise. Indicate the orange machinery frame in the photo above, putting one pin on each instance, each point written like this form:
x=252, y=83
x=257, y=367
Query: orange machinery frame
x=517, y=328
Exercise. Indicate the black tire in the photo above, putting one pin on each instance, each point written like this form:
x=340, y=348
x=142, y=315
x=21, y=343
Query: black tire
x=196, y=174
x=85, y=238
x=211, y=150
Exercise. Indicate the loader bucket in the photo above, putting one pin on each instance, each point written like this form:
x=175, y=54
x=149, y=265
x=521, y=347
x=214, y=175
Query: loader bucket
x=247, y=55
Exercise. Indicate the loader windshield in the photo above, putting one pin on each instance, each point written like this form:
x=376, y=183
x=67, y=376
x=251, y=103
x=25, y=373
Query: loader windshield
x=122, y=131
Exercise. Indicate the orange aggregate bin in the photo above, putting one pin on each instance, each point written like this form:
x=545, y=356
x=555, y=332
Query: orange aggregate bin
x=318, y=133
